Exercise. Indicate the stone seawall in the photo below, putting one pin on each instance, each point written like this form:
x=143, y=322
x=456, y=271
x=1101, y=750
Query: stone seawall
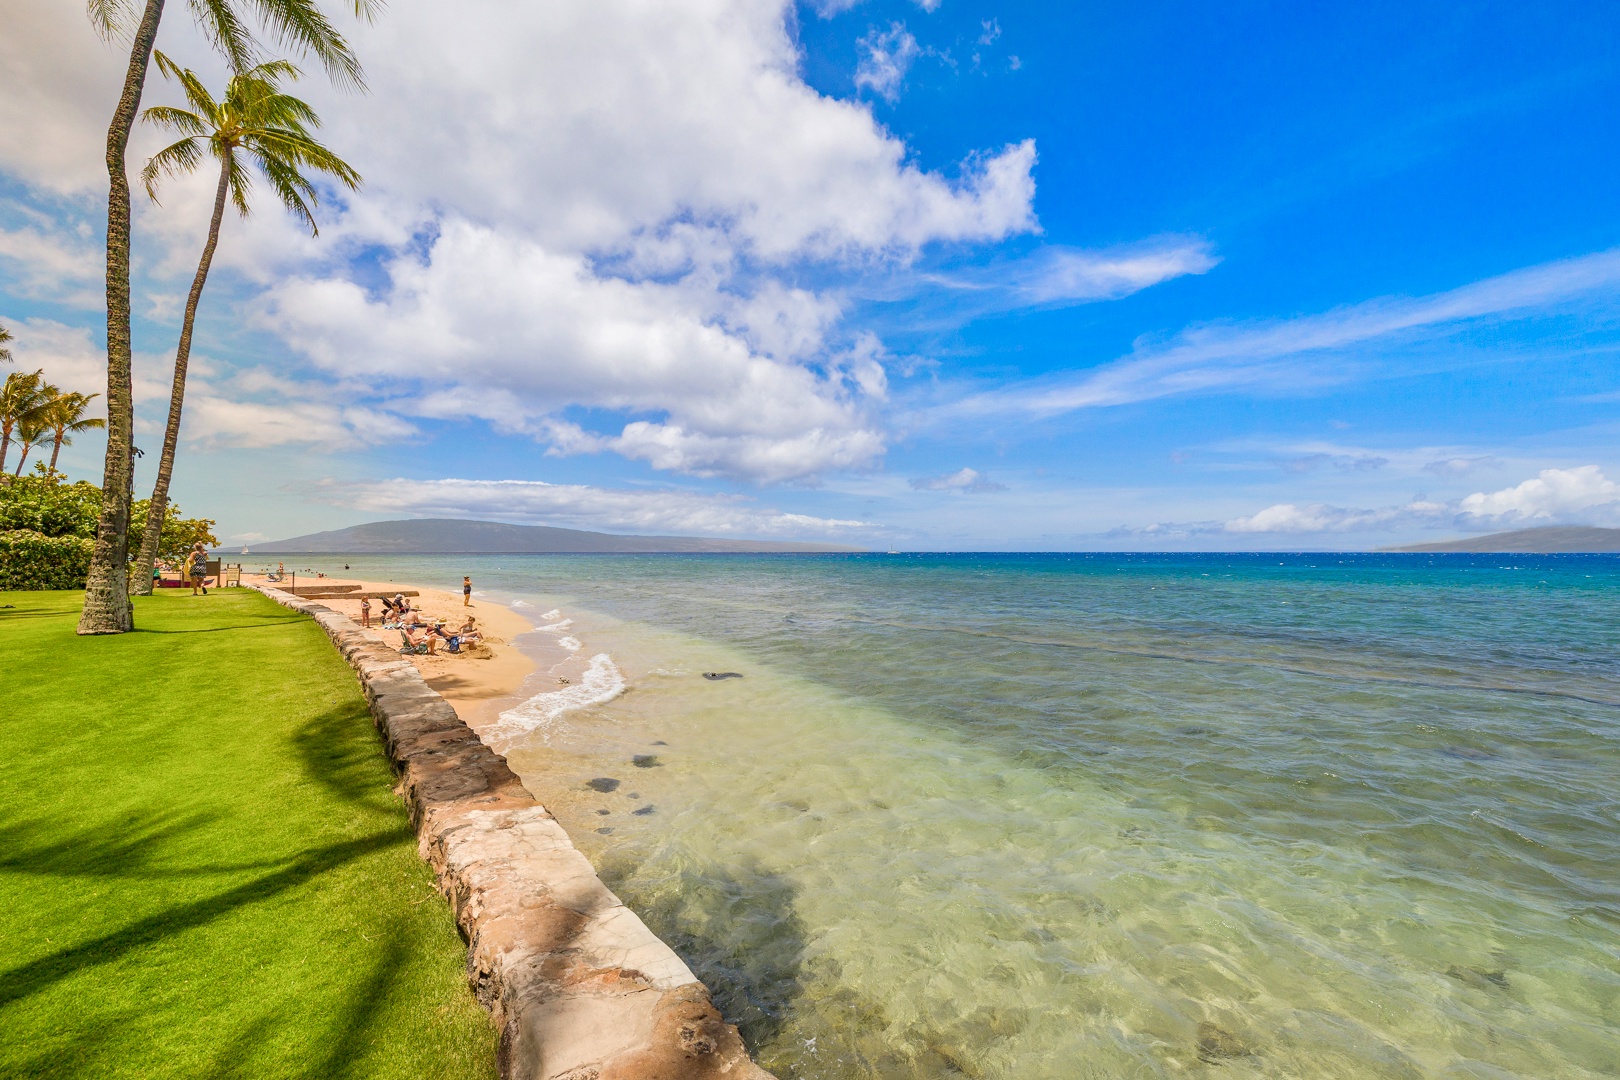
x=578, y=986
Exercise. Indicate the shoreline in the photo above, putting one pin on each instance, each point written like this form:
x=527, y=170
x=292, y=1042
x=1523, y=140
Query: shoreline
x=576, y=983
x=478, y=688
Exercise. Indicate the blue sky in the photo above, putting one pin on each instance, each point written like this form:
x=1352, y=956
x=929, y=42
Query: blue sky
x=931, y=275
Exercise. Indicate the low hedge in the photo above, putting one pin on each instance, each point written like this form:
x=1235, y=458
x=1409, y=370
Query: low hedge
x=31, y=560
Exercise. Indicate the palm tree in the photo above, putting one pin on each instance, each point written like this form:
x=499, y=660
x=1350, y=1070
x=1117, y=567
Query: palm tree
x=65, y=417
x=22, y=397
x=31, y=429
x=5, y=353
x=257, y=122
x=298, y=23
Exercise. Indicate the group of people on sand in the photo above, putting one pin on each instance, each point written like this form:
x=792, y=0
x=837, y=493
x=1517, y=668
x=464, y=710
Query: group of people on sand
x=419, y=632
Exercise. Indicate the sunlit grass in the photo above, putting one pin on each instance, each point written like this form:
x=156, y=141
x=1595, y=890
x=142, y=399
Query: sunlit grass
x=203, y=870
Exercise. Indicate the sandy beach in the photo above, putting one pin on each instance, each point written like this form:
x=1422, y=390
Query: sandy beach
x=477, y=686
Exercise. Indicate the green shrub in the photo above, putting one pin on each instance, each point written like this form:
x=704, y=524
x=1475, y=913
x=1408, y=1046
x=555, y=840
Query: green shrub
x=32, y=560
x=44, y=502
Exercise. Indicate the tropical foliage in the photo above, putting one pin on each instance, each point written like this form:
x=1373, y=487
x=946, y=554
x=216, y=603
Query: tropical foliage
x=5, y=353
x=299, y=24
x=64, y=416
x=31, y=560
x=254, y=122
x=43, y=502
x=32, y=411
x=24, y=398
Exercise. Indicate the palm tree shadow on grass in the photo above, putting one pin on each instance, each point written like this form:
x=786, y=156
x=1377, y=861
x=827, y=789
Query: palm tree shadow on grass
x=347, y=1035
x=46, y=971
x=342, y=751
x=39, y=847
x=269, y=623
x=338, y=748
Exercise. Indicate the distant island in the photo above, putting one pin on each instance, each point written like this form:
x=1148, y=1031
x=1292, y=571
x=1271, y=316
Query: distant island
x=455, y=536
x=1549, y=539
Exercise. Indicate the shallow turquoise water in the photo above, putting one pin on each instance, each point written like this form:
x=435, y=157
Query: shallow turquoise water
x=1108, y=815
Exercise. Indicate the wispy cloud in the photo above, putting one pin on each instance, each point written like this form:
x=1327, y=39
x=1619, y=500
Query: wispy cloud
x=965, y=481
x=1554, y=496
x=1052, y=276
x=52, y=266
x=587, y=507
x=886, y=56
x=1057, y=275
x=1224, y=358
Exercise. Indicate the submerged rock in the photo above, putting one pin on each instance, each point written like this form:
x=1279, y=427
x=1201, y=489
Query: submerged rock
x=645, y=810
x=1477, y=977
x=607, y=831
x=604, y=784
x=646, y=761
x=604, y=813
x=1215, y=1043
x=716, y=676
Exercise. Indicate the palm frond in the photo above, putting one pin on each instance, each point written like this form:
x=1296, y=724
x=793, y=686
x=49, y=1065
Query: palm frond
x=196, y=93
x=301, y=25
x=226, y=31
x=241, y=182
x=176, y=160
x=111, y=18
x=182, y=120
x=5, y=353
x=297, y=194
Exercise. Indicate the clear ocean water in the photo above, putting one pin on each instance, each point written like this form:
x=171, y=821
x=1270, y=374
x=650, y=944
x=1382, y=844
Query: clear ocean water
x=1098, y=815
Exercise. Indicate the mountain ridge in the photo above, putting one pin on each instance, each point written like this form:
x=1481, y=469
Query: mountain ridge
x=1545, y=539
x=422, y=536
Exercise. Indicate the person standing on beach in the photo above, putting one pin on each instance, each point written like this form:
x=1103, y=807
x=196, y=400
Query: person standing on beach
x=365, y=613
x=466, y=591
x=197, y=569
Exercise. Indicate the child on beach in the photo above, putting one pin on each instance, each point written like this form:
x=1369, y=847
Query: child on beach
x=466, y=591
x=365, y=612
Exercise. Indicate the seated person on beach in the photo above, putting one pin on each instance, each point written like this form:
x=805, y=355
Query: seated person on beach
x=418, y=635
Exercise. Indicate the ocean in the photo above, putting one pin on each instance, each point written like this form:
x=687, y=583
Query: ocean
x=1097, y=815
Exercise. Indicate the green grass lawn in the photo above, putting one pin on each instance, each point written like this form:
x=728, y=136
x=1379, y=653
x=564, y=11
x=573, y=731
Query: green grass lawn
x=203, y=870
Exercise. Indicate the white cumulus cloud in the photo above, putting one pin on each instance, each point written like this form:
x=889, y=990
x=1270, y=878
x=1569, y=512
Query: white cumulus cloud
x=588, y=507
x=1555, y=496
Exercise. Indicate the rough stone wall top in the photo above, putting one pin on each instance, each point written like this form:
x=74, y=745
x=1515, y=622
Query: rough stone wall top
x=578, y=986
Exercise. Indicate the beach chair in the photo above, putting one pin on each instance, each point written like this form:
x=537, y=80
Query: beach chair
x=408, y=649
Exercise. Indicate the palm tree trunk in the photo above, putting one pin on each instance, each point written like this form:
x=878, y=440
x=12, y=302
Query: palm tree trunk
x=56, y=448
x=24, y=459
x=107, y=609
x=5, y=448
x=141, y=582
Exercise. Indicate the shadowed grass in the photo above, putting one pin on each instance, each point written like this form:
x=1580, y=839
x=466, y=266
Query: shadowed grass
x=203, y=870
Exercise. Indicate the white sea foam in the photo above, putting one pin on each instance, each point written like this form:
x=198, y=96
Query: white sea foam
x=552, y=614
x=525, y=603
x=601, y=683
